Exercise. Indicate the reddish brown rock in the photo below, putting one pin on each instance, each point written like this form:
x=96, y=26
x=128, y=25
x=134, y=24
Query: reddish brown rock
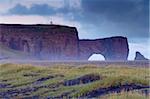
x=113, y=48
x=55, y=42
x=42, y=41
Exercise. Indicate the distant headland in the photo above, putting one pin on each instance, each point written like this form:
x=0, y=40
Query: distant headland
x=57, y=42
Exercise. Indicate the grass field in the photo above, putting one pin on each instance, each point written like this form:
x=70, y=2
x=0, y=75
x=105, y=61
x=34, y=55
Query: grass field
x=67, y=81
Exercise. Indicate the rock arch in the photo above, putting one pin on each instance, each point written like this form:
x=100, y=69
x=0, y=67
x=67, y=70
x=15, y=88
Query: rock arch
x=114, y=48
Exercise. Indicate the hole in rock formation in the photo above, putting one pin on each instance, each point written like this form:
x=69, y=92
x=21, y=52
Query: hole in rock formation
x=96, y=57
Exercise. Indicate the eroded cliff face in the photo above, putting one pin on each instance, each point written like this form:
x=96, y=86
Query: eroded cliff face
x=52, y=42
x=55, y=42
x=113, y=48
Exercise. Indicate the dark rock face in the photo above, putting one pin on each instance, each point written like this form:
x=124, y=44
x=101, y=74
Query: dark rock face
x=113, y=48
x=55, y=42
x=139, y=56
x=43, y=41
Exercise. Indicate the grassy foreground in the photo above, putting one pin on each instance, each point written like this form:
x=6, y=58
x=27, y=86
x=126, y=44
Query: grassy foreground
x=62, y=81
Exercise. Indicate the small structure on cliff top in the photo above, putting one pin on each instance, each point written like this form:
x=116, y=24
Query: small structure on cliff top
x=51, y=22
x=56, y=42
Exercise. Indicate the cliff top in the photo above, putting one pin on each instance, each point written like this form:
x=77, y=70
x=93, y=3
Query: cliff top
x=35, y=25
x=113, y=37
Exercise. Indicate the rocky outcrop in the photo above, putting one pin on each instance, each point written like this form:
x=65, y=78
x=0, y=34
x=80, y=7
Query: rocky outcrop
x=113, y=48
x=55, y=42
x=52, y=42
x=139, y=56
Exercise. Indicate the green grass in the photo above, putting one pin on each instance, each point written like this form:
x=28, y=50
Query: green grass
x=125, y=95
x=112, y=75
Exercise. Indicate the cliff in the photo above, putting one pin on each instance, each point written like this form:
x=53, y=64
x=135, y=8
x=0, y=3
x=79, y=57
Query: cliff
x=55, y=42
x=113, y=48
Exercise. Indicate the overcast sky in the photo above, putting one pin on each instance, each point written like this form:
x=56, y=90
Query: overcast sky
x=93, y=18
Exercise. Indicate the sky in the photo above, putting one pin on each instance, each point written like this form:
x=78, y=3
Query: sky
x=93, y=18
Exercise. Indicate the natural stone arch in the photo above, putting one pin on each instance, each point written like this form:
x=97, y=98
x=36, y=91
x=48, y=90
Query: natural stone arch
x=114, y=48
x=96, y=57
